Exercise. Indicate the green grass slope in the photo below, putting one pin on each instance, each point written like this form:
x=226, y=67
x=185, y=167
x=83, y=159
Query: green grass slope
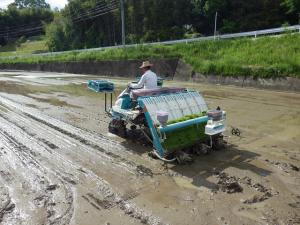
x=261, y=57
x=29, y=46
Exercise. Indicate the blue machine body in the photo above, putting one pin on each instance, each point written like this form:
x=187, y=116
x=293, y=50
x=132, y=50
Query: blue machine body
x=101, y=86
x=178, y=105
x=186, y=112
x=126, y=101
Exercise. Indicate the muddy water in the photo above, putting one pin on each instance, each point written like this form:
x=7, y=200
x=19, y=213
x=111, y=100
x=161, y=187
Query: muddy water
x=59, y=165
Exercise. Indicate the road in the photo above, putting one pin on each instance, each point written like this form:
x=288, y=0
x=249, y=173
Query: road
x=59, y=164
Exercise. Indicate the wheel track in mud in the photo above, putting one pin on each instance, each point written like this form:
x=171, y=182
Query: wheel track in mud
x=107, y=147
x=50, y=146
x=26, y=157
x=6, y=204
x=7, y=167
x=59, y=156
x=112, y=199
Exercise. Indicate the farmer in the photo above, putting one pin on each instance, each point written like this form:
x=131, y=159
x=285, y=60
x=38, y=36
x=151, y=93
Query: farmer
x=148, y=79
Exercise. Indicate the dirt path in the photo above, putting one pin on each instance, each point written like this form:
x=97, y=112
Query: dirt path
x=59, y=165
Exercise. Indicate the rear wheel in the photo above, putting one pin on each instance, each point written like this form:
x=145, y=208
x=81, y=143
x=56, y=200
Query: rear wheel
x=183, y=158
x=218, y=143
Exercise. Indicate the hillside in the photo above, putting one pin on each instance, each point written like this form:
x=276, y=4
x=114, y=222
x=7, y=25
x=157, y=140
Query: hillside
x=24, y=46
x=261, y=57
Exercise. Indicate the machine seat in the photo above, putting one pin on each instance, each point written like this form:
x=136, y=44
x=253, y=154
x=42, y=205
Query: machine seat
x=155, y=92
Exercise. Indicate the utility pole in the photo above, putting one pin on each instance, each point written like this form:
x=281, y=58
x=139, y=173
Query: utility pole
x=7, y=34
x=123, y=22
x=216, y=20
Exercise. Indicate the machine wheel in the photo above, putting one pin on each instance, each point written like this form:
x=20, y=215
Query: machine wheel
x=236, y=132
x=218, y=143
x=118, y=128
x=201, y=149
x=183, y=158
x=112, y=129
x=152, y=155
x=205, y=149
x=133, y=127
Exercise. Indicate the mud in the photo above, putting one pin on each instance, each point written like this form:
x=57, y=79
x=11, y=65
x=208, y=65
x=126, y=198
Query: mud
x=174, y=68
x=59, y=164
x=229, y=184
x=6, y=205
x=286, y=167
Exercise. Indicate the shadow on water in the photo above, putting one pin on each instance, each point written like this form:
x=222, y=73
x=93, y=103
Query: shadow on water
x=206, y=166
x=217, y=161
x=136, y=146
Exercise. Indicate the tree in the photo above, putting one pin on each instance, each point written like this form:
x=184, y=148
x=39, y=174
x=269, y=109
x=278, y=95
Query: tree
x=57, y=38
x=292, y=6
x=16, y=22
x=161, y=20
x=31, y=4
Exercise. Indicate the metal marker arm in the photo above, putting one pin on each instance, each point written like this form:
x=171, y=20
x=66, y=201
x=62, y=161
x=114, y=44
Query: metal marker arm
x=105, y=101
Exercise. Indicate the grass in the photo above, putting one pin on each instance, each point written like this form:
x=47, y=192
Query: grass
x=188, y=117
x=262, y=57
x=36, y=45
x=185, y=137
x=33, y=47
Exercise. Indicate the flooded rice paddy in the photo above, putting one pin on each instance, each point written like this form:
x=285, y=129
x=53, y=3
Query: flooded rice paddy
x=59, y=164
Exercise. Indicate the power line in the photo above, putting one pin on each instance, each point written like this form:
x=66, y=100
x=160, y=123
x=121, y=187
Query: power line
x=99, y=10
x=97, y=15
x=104, y=5
x=33, y=31
x=92, y=14
x=22, y=30
x=24, y=26
x=27, y=29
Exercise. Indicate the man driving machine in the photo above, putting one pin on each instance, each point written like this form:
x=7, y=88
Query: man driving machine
x=148, y=79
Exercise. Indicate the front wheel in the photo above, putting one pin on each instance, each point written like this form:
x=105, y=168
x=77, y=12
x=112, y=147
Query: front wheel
x=118, y=128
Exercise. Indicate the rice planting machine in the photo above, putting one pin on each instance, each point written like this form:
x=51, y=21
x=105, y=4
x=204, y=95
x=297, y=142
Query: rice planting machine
x=175, y=121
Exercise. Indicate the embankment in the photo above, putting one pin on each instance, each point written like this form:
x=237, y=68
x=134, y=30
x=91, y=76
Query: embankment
x=185, y=72
x=175, y=69
x=120, y=68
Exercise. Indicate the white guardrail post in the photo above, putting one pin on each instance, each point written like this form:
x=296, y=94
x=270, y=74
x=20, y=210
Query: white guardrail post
x=186, y=41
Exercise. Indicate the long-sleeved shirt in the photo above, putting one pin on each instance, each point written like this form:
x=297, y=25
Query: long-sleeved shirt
x=148, y=81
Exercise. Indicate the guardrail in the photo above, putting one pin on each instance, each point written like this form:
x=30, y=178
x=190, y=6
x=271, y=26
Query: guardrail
x=224, y=36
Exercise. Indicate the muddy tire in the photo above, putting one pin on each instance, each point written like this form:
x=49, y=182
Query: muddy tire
x=152, y=155
x=183, y=158
x=205, y=149
x=218, y=144
x=118, y=128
